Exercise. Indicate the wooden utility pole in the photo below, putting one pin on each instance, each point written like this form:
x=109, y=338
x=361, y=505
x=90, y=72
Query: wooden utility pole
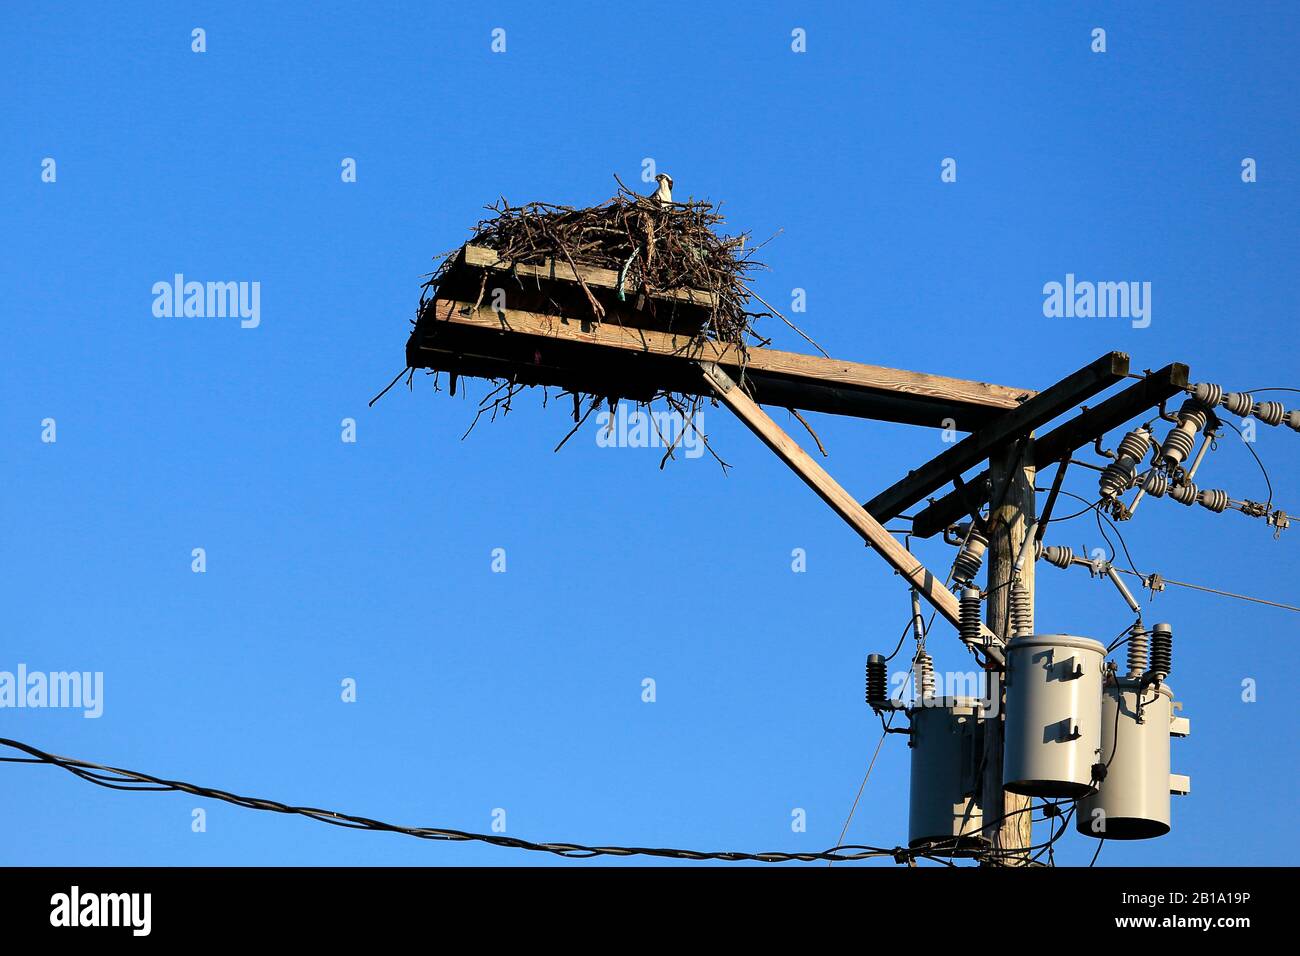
x=1011, y=515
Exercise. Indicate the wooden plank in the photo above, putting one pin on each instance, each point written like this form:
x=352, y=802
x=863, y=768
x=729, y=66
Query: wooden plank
x=974, y=448
x=633, y=375
x=1064, y=440
x=976, y=400
x=485, y=258
x=1115, y=411
x=844, y=504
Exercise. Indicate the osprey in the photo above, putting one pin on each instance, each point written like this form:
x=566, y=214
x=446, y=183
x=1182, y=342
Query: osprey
x=664, y=194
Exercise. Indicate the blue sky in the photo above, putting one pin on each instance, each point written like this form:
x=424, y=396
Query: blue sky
x=372, y=561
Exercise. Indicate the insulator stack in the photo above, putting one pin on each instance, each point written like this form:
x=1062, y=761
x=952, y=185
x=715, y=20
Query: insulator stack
x=1059, y=555
x=924, y=675
x=1216, y=499
x=1117, y=477
x=1244, y=405
x=1155, y=484
x=1207, y=393
x=1121, y=474
x=1185, y=494
x=877, y=680
x=970, y=558
x=968, y=616
x=1138, y=647
x=1239, y=403
x=1270, y=413
x=1022, y=611
x=1135, y=445
x=1182, y=438
x=1162, y=653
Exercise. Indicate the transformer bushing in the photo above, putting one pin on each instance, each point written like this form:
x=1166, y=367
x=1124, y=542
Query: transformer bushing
x=877, y=681
x=1132, y=802
x=1053, y=715
x=944, y=811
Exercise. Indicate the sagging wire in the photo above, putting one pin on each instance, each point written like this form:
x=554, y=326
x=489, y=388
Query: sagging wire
x=116, y=778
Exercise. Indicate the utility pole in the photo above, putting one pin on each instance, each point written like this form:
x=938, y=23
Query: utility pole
x=1011, y=517
x=456, y=334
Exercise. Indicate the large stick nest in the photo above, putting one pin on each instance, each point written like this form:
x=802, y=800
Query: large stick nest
x=655, y=247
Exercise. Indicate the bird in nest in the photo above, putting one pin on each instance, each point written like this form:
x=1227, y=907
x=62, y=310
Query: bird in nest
x=664, y=194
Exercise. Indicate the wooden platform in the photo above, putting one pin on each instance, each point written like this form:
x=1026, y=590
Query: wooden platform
x=610, y=359
x=555, y=270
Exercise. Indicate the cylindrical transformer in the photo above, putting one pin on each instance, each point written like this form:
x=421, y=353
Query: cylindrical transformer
x=1053, y=708
x=1132, y=802
x=944, y=812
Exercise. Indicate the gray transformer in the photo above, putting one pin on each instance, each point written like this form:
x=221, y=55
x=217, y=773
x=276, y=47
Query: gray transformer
x=1053, y=715
x=944, y=812
x=1132, y=802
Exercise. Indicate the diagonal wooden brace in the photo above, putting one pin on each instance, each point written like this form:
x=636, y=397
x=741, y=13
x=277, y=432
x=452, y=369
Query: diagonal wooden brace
x=845, y=505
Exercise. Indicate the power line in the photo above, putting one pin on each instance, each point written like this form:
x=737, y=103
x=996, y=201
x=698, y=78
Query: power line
x=888, y=723
x=1149, y=579
x=1100, y=843
x=865, y=777
x=1158, y=580
x=1267, y=480
x=115, y=778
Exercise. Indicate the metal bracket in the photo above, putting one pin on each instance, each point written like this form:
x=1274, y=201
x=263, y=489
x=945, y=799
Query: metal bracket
x=719, y=379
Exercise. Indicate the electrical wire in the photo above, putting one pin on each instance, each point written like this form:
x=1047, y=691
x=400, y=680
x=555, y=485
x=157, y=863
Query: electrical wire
x=116, y=778
x=1039, y=848
x=1121, y=639
x=1100, y=843
x=1123, y=544
x=1145, y=578
x=901, y=639
x=1255, y=455
x=865, y=777
x=1119, y=534
x=925, y=631
x=1077, y=514
x=1050, y=848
